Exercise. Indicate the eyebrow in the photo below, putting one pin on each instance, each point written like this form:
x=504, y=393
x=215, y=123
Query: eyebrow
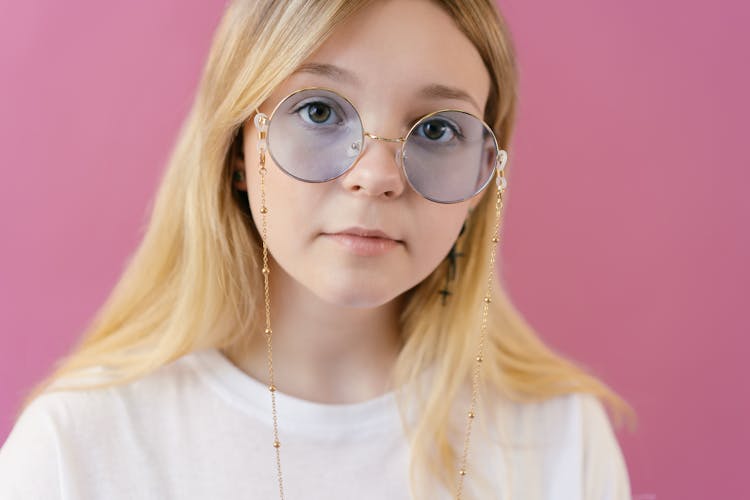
x=435, y=90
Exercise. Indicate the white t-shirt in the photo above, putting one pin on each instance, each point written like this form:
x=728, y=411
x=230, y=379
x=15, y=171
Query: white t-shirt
x=200, y=428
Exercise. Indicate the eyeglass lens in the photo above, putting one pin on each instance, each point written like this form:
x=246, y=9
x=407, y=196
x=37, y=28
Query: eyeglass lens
x=316, y=135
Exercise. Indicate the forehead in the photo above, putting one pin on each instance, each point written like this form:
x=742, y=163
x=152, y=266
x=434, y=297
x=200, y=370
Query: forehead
x=403, y=52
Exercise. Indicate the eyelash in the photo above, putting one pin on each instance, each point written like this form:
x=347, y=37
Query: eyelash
x=452, y=126
x=305, y=104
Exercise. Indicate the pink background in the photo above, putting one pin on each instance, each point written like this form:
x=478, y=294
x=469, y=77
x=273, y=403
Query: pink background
x=626, y=237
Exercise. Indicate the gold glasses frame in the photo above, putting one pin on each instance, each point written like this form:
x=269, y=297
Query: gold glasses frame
x=263, y=121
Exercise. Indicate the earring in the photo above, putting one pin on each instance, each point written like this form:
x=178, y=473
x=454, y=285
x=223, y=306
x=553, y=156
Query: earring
x=451, y=274
x=238, y=176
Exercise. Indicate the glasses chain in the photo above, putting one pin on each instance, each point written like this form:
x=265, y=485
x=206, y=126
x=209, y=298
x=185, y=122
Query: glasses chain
x=261, y=122
x=266, y=271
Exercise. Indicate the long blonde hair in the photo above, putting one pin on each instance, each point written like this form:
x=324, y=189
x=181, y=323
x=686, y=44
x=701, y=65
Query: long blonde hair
x=194, y=280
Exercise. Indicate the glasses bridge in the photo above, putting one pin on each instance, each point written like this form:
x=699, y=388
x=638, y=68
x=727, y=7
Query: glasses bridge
x=373, y=136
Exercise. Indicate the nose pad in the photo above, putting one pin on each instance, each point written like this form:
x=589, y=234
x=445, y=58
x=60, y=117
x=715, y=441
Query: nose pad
x=375, y=175
x=401, y=158
x=356, y=148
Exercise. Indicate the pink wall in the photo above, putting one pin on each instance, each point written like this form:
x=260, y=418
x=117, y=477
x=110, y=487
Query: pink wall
x=626, y=237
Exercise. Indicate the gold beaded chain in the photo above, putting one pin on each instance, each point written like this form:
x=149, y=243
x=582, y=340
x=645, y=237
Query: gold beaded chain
x=261, y=122
x=501, y=184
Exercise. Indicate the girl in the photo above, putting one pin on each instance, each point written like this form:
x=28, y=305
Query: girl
x=312, y=313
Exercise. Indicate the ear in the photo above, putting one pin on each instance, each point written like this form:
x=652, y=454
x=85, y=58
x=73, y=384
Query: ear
x=239, y=177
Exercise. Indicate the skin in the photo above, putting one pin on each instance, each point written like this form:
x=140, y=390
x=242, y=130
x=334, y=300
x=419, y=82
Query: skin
x=333, y=313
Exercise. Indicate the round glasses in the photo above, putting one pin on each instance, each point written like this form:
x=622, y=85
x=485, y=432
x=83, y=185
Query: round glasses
x=316, y=135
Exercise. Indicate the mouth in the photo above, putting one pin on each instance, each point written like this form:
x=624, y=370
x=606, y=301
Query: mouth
x=365, y=243
x=367, y=233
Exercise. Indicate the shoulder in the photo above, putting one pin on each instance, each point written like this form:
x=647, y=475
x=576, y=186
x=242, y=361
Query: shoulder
x=580, y=413
x=68, y=404
x=29, y=456
x=85, y=415
x=566, y=437
x=66, y=435
x=553, y=419
x=605, y=471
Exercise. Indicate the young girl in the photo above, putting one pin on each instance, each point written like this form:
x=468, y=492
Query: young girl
x=312, y=313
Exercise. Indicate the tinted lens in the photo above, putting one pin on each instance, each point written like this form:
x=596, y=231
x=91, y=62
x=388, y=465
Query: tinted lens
x=450, y=156
x=315, y=135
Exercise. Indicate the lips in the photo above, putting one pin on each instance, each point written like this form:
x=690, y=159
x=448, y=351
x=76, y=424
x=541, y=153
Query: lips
x=364, y=242
x=369, y=233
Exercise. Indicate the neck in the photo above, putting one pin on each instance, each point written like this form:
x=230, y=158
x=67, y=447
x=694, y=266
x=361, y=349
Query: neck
x=323, y=352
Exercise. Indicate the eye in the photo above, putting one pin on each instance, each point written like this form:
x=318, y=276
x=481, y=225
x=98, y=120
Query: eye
x=438, y=130
x=316, y=113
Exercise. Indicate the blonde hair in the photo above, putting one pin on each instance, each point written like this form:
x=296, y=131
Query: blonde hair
x=194, y=282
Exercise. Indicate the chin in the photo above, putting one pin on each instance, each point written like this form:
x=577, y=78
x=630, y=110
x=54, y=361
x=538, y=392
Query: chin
x=356, y=297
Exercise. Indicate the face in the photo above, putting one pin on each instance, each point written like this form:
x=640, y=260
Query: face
x=390, y=51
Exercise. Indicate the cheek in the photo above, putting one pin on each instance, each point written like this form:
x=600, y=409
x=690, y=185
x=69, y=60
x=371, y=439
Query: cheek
x=274, y=186
x=292, y=208
x=435, y=234
x=280, y=199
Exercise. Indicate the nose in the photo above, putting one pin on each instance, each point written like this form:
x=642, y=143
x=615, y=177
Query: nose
x=377, y=170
